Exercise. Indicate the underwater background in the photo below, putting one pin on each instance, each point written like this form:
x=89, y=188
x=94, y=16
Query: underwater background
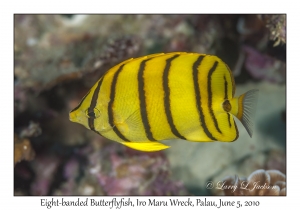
x=57, y=59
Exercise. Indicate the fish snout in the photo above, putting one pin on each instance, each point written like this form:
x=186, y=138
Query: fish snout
x=73, y=116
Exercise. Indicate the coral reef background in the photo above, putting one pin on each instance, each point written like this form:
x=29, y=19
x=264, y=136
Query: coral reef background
x=57, y=58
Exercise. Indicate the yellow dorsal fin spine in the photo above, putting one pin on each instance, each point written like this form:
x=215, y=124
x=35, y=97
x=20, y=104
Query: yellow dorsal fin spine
x=146, y=146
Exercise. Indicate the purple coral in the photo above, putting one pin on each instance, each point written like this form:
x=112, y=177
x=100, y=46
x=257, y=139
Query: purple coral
x=44, y=167
x=138, y=175
x=262, y=66
x=134, y=173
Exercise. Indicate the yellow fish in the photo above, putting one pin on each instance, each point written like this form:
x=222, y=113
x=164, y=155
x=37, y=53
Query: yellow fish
x=178, y=95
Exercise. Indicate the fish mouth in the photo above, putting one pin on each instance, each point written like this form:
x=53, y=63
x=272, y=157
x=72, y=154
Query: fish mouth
x=73, y=116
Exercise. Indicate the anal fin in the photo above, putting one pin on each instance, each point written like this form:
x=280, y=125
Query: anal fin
x=146, y=146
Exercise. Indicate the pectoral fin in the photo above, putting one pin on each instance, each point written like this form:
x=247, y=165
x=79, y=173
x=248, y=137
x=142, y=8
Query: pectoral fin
x=146, y=146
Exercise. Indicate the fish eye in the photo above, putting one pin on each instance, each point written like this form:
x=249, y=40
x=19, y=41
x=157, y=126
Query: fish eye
x=226, y=106
x=92, y=113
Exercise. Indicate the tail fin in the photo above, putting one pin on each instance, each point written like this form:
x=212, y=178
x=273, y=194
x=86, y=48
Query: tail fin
x=246, y=109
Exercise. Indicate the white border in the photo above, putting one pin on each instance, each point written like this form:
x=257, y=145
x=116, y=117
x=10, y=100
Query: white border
x=8, y=201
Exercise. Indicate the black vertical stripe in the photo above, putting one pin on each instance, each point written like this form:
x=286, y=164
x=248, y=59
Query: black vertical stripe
x=93, y=105
x=111, y=102
x=228, y=115
x=232, y=79
x=142, y=98
x=226, y=88
x=211, y=71
x=167, y=102
x=237, y=131
x=198, y=97
x=226, y=97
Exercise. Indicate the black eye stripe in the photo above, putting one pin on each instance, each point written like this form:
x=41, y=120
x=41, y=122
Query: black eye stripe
x=93, y=114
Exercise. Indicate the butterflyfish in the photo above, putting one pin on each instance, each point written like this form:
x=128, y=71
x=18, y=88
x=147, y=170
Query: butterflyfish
x=179, y=95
